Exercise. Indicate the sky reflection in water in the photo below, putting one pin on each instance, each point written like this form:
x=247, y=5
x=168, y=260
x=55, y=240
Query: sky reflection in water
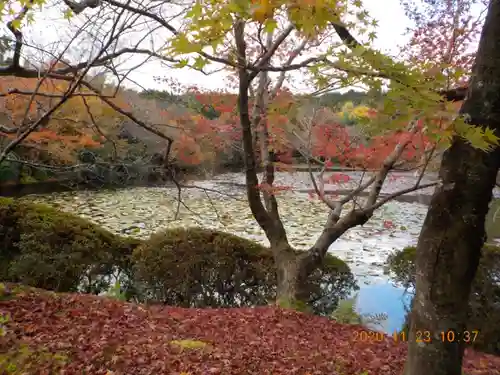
x=384, y=298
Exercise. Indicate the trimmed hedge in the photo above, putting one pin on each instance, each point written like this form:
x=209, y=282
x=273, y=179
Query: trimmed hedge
x=195, y=267
x=484, y=299
x=45, y=248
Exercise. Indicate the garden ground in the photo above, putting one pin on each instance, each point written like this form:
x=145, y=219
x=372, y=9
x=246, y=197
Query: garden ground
x=49, y=333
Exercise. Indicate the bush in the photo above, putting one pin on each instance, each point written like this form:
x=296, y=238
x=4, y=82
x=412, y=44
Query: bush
x=485, y=295
x=195, y=267
x=49, y=249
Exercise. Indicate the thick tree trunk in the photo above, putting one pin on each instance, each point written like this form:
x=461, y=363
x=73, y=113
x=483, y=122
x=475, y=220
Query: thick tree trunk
x=448, y=254
x=449, y=246
x=291, y=276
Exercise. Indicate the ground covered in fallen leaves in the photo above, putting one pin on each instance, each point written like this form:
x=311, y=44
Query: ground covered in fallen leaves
x=48, y=333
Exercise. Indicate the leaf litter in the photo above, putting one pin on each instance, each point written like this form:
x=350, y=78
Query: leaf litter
x=98, y=335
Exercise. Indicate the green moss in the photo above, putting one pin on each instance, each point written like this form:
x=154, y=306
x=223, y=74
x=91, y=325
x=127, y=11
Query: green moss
x=22, y=359
x=189, y=344
x=296, y=305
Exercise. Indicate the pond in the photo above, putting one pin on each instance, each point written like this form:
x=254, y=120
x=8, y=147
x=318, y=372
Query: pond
x=221, y=204
x=384, y=298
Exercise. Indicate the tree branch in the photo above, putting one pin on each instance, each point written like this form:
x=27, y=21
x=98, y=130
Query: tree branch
x=18, y=35
x=282, y=76
x=264, y=60
x=392, y=196
x=388, y=164
x=253, y=193
x=456, y=94
x=128, y=114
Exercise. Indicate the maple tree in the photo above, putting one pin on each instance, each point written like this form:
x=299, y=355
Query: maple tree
x=253, y=40
x=443, y=40
x=444, y=37
x=253, y=36
x=412, y=106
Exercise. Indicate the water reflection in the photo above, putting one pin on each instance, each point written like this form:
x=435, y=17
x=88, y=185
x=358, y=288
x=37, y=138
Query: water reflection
x=384, y=298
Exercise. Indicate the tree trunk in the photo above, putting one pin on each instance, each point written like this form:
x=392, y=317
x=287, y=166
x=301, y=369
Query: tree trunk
x=291, y=279
x=449, y=246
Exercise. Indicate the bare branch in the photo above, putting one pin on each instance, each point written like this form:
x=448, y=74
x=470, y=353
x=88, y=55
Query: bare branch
x=362, y=187
x=128, y=114
x=94, y=122
x=47, y=94
x=389, y=197
x=264, y=60
x=321, y=194
x=281, y=79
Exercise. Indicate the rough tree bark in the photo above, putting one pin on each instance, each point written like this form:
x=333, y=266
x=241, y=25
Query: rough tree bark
x=449, y=246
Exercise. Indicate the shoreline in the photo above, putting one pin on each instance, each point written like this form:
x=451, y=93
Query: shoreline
x=14, y=190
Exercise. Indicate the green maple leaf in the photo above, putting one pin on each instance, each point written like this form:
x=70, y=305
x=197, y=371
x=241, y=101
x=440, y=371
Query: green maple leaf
x=181, y=44
x=68, y=13
x=199, y=63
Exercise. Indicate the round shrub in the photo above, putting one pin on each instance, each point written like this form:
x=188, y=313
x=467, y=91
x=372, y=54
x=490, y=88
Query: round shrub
x=195, y=267
x=484, y=299
x=43, y=247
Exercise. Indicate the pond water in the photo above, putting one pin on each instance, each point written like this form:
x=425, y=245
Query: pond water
x=384, y=298
x=221, y=204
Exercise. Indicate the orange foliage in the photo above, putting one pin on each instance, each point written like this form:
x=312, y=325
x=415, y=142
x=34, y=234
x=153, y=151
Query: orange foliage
x=201, y=138
x=69, y=129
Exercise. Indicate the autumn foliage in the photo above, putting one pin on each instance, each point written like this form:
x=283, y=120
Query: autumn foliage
x=103, y=336
x=83, y=121
x=330, y=139
x=207, y=128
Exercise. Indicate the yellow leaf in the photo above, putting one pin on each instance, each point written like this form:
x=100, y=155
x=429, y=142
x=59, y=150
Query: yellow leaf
x=68, y=13
x=263, y=10
x=270, y=25
x=16, y=24
x=181, y=44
